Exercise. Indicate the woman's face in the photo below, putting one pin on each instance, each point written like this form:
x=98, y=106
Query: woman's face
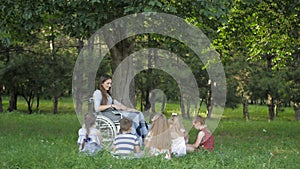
x=106, y=84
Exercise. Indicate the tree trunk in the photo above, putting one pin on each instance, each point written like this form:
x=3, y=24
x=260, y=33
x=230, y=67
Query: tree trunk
x=142, y=102
x=276, y=108
x=182, y=108
x=188, y=108
x=153, y=101
x=297, y=111
x=245, y=109
x=1, y=105
x=29, y=101
x=91, y=76
x=209, y=104
x=123, y=85
x=147, y=101
x=200, y=105
x=77, y=79
x=270, y=101
x=55, y=105
x=163, y=104
x=13, y=101
x=123, y=88
x=271, y=107
x=29, y=106
x=37, y=103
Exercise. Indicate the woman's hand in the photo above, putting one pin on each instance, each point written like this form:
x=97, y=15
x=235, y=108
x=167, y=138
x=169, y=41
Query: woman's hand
x=117, y=107
x=132, y=110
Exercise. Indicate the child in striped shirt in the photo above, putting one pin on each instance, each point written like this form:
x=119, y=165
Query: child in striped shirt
x=126, y=144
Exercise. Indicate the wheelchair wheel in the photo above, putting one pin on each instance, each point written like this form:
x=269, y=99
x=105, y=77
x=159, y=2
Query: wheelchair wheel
x=108, y=131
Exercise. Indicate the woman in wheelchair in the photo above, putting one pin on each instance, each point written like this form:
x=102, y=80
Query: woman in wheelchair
x=103, y=101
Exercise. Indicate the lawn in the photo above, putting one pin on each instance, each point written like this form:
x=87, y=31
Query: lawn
x=49, y=141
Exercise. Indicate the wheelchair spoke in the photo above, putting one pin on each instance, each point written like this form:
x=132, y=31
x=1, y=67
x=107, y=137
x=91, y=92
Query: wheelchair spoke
x=108, y=131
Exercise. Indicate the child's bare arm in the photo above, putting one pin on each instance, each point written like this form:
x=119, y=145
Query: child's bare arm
x=148, y=140
x=198, y=140
x=137, y=149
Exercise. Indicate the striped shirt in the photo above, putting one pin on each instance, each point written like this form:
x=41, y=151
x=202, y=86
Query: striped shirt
x=125, y=143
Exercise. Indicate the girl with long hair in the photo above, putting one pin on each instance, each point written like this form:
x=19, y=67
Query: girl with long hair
x=89, y=139
x=158, y=140
x=178, y=134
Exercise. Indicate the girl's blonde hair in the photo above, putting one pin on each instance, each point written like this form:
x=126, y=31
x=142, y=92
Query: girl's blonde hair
x=160, y=133
x=177, y=127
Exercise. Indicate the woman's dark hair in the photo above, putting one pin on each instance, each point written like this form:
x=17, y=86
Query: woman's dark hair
x=102, y=79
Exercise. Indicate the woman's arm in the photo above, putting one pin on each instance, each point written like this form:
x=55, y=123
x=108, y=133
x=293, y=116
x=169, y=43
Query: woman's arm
x=97, y=96
x=119, y=106
x=104, y=107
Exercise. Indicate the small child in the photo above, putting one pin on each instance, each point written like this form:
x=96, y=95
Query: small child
x=204, y=139
x=89, y=139
x=158, y=140
x=126, y=144
x=177, y=135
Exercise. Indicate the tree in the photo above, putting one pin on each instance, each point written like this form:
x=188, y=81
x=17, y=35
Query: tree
x=16, y=31
x=33, y=50
x=28, y=24
x=293, y=84
x=260, y=31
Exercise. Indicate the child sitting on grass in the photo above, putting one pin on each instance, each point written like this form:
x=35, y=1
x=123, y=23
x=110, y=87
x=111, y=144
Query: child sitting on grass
x=158, y=140
x=126, y=144
x=178, y=146
x=89, y=139
x=205, y=139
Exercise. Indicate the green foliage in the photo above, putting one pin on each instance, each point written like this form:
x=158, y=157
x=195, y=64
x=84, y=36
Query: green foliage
x=259, y=47
x=256, y=29
x=245, y=33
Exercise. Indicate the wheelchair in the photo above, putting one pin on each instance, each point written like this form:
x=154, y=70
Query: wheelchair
x=108, y=123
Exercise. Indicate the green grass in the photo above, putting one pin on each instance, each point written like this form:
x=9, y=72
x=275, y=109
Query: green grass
x=49, y=141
